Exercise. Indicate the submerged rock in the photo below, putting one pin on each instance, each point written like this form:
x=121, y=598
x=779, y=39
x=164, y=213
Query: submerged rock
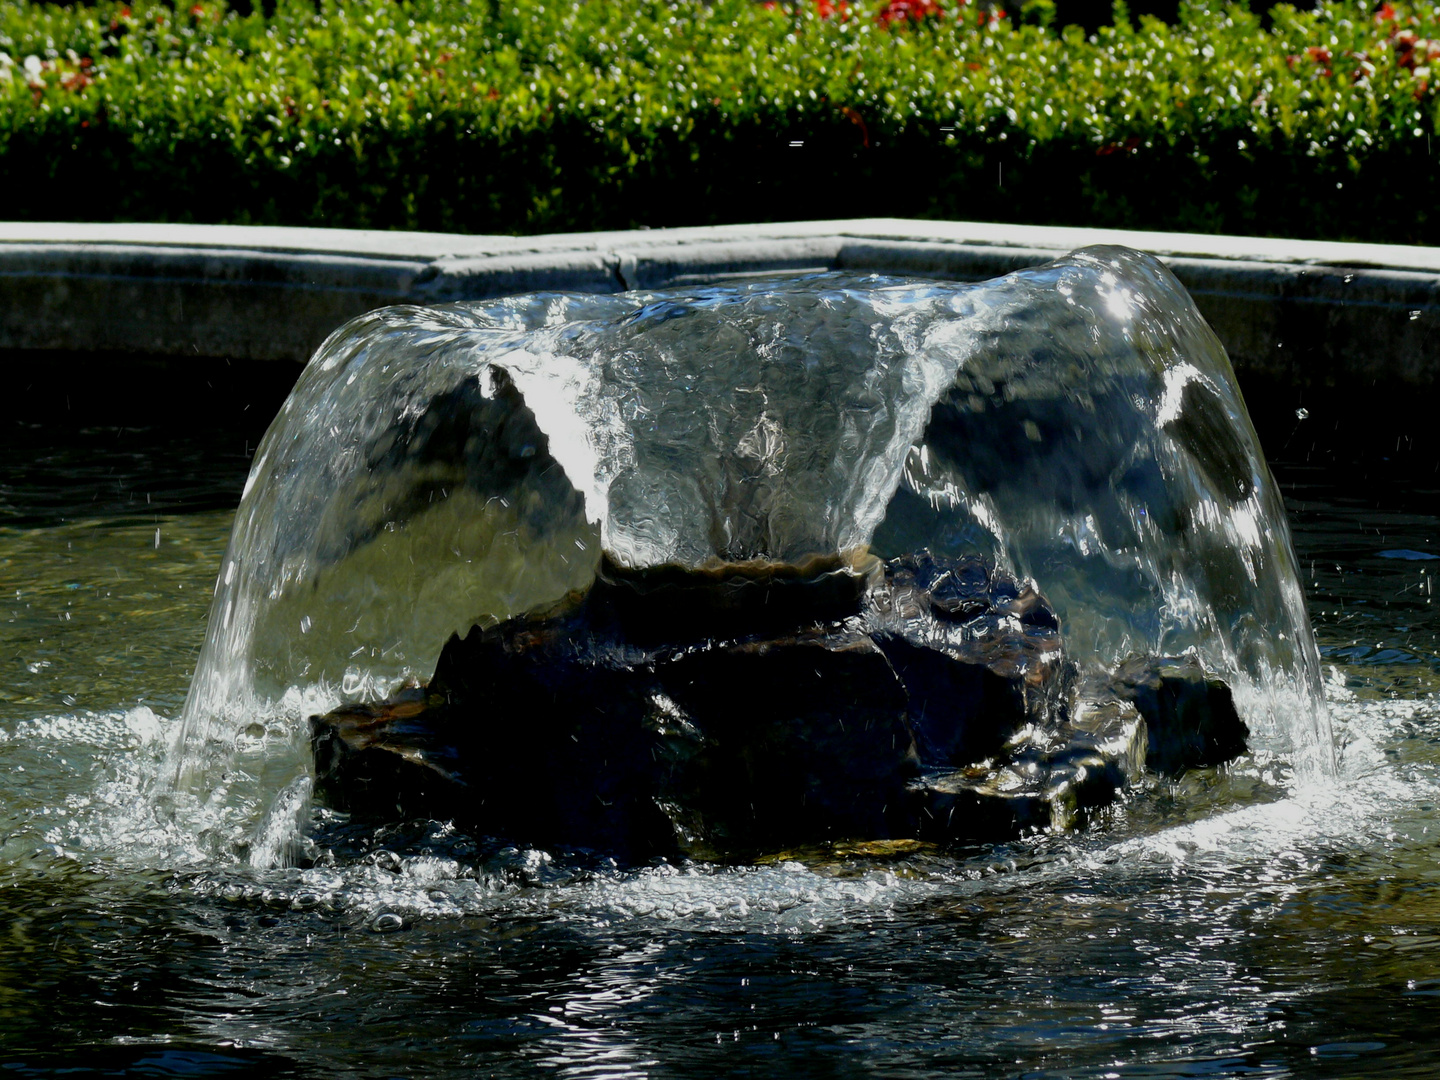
x=750, y=707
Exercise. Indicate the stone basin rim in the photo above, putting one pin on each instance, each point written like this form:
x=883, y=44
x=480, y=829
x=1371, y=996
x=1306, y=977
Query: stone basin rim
x=1298, y=312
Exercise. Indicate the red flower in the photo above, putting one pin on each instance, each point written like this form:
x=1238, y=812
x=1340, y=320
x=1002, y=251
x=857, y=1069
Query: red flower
x=1406, y=45
x=827, y=8
x=859, y=121
x=909, y=11
x=197, y=11
x=1129, y=146
x=1386, y=14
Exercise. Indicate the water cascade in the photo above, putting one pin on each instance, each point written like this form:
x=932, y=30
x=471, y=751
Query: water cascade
x=1074, y=429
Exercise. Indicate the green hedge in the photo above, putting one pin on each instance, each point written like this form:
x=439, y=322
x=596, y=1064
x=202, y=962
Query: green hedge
x=498, y=116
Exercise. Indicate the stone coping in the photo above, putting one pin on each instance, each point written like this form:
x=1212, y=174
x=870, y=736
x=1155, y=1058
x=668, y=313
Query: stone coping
x=376, y=243
x=1303, y=312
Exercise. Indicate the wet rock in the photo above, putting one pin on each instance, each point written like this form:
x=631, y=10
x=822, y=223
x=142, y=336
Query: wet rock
x=842, y=856
x=1190, y=714
x=979, y=653
x=563, y=729
x=387, y=760
x=671, y=606
x=1045, y=778
x=804, y=739
x=533, y=741
x=753, y=707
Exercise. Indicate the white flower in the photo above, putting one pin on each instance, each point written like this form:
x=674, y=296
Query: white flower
x=33, y=69
x=5, y=65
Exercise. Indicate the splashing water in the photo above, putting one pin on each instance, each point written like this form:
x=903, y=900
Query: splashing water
x=438, y=468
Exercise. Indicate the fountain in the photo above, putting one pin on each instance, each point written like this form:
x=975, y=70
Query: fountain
x=1019, y=533
x=206, y=907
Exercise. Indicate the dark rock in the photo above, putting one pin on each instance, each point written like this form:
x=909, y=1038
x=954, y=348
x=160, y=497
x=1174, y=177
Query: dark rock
x=1190, y=713
x=674, y=606
x=558, y=753
x=979, y=653
x=751, y=707
x=560, y=729
x=1044, y=779
x=386, y=760
x=805, y=740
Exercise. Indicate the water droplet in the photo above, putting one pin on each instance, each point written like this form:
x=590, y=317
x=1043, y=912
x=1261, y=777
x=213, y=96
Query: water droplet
x=1302, y=414
x=387, y=923
x=1414, y=315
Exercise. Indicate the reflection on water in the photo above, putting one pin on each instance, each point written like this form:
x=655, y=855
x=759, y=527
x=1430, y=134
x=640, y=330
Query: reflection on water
x=1224, y=927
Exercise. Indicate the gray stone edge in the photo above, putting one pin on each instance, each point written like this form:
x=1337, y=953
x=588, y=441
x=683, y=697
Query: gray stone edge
x=1305, y=312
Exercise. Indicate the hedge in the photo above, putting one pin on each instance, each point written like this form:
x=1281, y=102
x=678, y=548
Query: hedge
x=505, y=117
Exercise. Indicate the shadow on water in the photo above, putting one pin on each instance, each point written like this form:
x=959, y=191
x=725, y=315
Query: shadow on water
x=1220, y=929
x=1361, y=477
x=123, y=439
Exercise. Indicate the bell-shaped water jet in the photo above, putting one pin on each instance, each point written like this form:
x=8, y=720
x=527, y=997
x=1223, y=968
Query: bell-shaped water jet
x=1007, y=525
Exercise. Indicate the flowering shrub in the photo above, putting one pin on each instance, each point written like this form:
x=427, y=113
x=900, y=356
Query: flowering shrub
x=532, y=115
x=909, y=11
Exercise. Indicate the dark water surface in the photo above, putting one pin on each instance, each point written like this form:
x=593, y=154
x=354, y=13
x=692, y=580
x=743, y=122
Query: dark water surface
x=1219, y=927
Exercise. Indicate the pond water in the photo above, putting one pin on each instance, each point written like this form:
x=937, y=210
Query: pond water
x=1224, y=926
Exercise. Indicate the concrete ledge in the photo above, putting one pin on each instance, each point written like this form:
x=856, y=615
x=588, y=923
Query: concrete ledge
x=1299, y=312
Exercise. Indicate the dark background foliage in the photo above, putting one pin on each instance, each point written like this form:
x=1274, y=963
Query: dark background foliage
x=506, y=117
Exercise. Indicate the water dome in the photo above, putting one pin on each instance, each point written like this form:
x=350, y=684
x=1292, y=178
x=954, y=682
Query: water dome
x=1076, y=425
